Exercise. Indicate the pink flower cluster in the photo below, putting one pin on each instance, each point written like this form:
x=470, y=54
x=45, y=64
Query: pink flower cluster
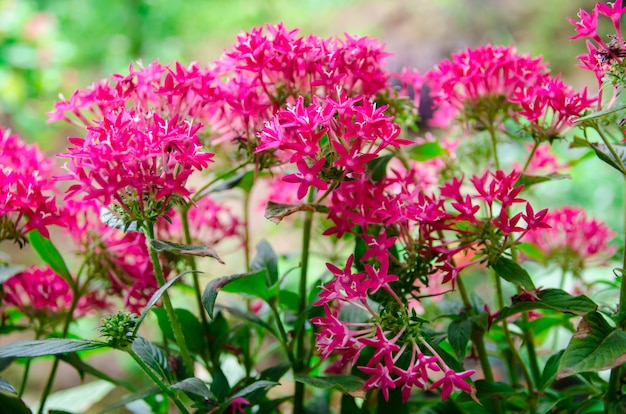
x=136, y=166
x=601, y=55
x=573, y=240
x=330, y=140
x=485, y=83
x=42, y=295
x=27, y=195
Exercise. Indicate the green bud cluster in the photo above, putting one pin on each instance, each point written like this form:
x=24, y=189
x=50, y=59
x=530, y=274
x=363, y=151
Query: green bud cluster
x=119, y=329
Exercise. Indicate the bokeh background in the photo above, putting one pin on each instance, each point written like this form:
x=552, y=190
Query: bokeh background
x=48, y=47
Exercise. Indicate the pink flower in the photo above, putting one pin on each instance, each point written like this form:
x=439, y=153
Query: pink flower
x=573, y=240
x=135, y=166
x=27, y=196
x=451, y=380
x=45, y=296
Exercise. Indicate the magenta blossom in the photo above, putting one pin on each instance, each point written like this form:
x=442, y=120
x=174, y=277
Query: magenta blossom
x=134, y=165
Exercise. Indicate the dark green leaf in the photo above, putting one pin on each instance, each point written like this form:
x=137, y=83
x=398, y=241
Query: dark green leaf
x=10, y=404
x=275, y=372
x=8, y=271
x=265, y=259
x=600, y=113
x=276, y=212
x=604, y=153
x=226, y=184
x=194, y=386
x=48, y=252
x=5, y=362
x=459, y=333
x=5, y=386
x=190, y=325
x=530, y=180
x=378, y=167
x=219, y=386
x=532, y=251
x=156, y=296
x=250, y=389
x=185, y=249
x=596, y=346
x=491, y=391
x=393, y=405
x=348, y=405
x=343, y=383
x=153, y=356
x=552, y=299
x=209, y=296
x=550, y=370
x=54, y=346
x=512, y=272
x=427, y=151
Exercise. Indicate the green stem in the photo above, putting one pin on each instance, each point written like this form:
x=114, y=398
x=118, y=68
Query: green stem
x=530, y=156
x=178, y=333
x=478, y=335
x=246, y=229
x=302, y=304
x=24, y=379
x=166, y=390
x=608, y=144
x=199, y=195
x=494, y=145
x=196, y=278
x=283, y=333
x=614, y=388
x=55, y=365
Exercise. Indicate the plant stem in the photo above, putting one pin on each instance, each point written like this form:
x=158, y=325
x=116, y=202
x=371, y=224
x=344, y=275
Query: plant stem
x=477, y=335
x=166, y=390
x=178, y=333
x=608, y=144
x=184, y=214
x=66, y=327
x=614, y=388
x=302, y=304
x=246, y=228
x=530, y=156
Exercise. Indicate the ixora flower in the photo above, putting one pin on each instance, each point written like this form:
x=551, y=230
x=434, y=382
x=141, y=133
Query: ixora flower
x=134, y=164
x=27, y=199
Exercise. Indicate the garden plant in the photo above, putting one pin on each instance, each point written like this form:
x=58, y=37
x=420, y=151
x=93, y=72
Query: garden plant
x=411, y=267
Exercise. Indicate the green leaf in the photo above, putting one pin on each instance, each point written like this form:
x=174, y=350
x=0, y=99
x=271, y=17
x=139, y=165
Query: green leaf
x=530, y=180
x=343, y=383
x=5, y=386
x=288, y=299
x=195, y=386
x=48, y=252
x=378, y=167
x=209, y=296
x=532, y=251
x=275, y=372
x=153, y=356
x=13, y=405
x=190, y=325
x=250, y=389
x=603, y=152
x=348, y=405
x=550, y=370
x=276, y=212
x=185, y=249
x=79, y=399
x=600, y=113
x=127, y=399
x=552, y=299
x=265, y=259
x=492, y=391
x=252, y=284
x=512, y=272
x=8, y=271
x=4, y=363
x=459, y=333
x=427, y=151
x=596, y=346
x=157, y=295
x=219, y=386
x=54, y=346
x=251, y=318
